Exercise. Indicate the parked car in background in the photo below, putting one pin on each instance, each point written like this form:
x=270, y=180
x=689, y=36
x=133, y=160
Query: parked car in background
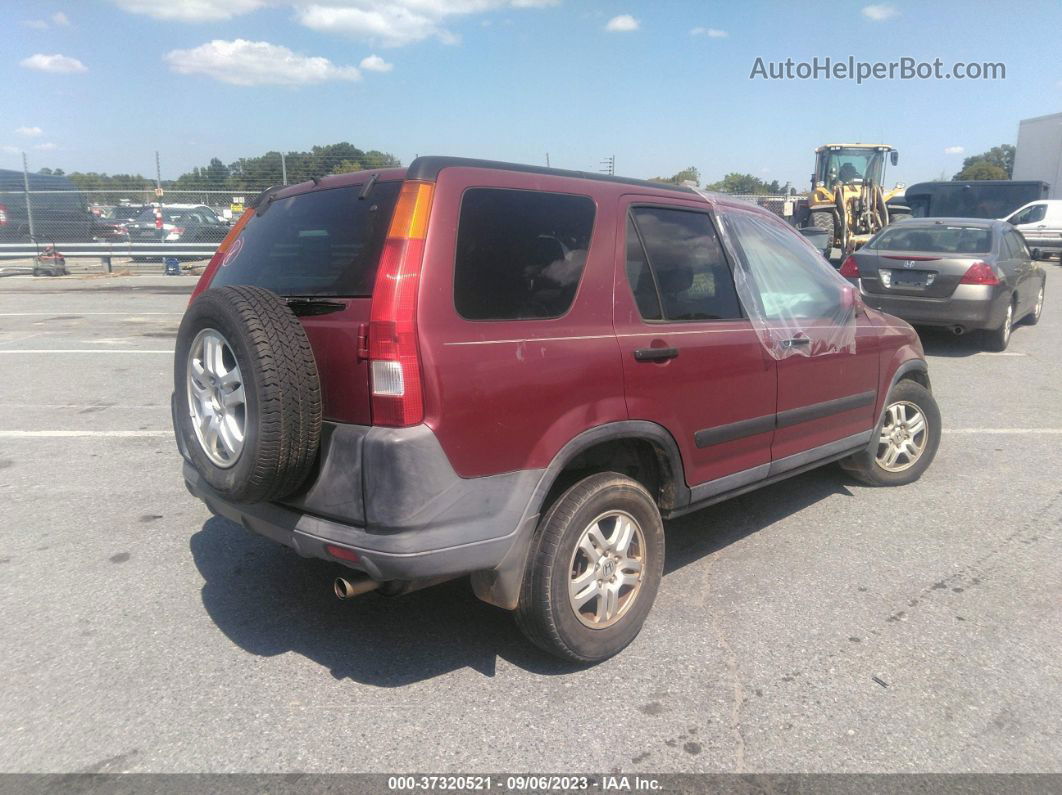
x=467, y=367
x=59, y=211
x=111, y=226
x=965, y=274
x=177, y=223
x=1040, y=223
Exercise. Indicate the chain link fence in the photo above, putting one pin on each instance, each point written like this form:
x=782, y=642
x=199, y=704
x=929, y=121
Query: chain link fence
x=45, y=219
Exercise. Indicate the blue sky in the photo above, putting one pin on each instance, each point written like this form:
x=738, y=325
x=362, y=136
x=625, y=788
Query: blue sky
x=511, y=80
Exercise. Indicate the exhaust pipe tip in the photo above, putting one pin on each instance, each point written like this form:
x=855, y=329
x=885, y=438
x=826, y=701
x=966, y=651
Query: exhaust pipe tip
x=348, y=589
x=958, y=331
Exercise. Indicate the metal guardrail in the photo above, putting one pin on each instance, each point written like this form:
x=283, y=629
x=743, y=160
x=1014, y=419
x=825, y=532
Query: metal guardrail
x=101, y=250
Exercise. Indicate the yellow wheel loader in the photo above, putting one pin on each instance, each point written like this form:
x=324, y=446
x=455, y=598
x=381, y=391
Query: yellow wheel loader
x=847, y=200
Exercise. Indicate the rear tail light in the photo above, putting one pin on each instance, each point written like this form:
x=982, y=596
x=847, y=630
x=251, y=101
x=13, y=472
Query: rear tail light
x=175, y=233
x=158, y=219
x=219, y=255
x=397, y=395
x=849, y=269
x=3, y=215
x=980, y=273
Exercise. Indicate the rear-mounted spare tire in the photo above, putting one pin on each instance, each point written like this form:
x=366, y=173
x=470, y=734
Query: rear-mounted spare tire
x=248, y=394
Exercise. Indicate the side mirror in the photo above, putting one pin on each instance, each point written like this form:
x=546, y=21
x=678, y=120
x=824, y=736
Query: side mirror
x=894, y=157
x=1037, y=254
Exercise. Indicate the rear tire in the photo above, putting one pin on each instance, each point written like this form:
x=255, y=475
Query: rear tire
x=910, y=422
x=613, y=598
x=1034, y=317
x=998, y=339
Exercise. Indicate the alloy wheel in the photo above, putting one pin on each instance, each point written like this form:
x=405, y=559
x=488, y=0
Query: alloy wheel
x=216, y=397
x=606, y=569
x=903, y=437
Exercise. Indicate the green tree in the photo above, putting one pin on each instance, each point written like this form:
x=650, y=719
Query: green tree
x=743, y=183
x=1001, y=157
x=689, y=174
x=982, y=169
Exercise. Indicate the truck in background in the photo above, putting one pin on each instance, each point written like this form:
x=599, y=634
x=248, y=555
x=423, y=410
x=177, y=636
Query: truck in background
x=985, y=198
x=1039, y=153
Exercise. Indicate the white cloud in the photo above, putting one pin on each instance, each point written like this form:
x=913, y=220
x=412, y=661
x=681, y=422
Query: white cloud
x=191, y=10
x=880, y=12
x=46, y=147
x=391, y=24
x=61, y=19
x=58, y=64
x=374, y=63
x=254, y=63
x=36, y=24
x=11, y=150
x=29, y=132
x=622, y=24
x=711, y=33
x=954, y=150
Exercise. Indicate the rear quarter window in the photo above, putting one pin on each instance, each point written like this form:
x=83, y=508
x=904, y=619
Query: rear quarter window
x=321, y=243
x=520, y=254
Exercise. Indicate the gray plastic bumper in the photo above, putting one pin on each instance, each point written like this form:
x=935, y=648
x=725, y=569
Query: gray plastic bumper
x=390, y=495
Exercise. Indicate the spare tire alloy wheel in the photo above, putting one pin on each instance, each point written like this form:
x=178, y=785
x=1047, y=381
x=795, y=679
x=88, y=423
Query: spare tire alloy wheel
x=248, y=396
x=216, y=397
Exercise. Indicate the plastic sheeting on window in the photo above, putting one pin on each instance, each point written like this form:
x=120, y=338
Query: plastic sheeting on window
x=798, y=304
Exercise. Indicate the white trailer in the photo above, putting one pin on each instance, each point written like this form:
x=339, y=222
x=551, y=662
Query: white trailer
x=1039, y=152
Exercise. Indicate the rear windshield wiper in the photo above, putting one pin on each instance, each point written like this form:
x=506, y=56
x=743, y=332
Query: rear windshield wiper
x=368, y=187
x=306, y=305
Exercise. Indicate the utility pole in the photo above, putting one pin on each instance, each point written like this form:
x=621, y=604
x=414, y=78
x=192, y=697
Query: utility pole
x=609, y=164
x=547, y=159
x=283, y=169
x=29, y=204
x=158, y=172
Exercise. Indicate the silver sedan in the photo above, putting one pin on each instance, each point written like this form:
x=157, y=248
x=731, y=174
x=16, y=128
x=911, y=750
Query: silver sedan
x=965, y=274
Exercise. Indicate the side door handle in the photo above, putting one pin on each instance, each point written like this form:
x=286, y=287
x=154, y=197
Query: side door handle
x=795, y=341
x=655, y=354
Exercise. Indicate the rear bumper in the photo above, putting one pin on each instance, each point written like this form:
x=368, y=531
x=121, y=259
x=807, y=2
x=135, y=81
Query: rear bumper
x=391, y=496
x=971, y=306
x=408, y=555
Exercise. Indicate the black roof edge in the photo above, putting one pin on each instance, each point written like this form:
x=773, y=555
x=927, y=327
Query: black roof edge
x=429, y=167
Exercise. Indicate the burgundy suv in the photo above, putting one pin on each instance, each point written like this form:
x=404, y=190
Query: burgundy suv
x=468, y=367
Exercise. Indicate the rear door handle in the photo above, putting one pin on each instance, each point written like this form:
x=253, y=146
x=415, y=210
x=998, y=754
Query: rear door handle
x=655, y=354
x=795, y=341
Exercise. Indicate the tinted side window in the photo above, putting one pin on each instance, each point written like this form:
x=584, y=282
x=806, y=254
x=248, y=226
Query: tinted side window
x=1032, y=215
x=1017, y=245
x=640, y=277
x=520, y=254
x=790, y=276
x=687, y=261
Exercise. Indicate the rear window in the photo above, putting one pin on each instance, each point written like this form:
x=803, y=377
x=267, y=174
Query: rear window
x=520, y=254
x=939, y=239
x=322, y=243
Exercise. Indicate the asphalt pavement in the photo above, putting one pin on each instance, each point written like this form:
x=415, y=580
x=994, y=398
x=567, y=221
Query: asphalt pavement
x=816, y=625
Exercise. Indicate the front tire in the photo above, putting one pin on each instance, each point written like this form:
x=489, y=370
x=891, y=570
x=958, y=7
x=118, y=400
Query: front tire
x=905, y=441
x=595, y=566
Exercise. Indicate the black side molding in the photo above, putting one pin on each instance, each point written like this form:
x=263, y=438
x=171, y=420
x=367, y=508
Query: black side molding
x=734, y=430
x=817, y=411
x=784, y=419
